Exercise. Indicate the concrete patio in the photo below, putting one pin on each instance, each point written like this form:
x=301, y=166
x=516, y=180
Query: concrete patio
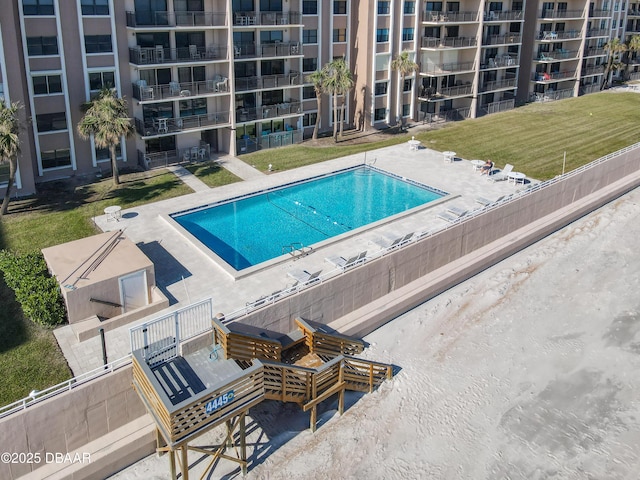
x=186, y=275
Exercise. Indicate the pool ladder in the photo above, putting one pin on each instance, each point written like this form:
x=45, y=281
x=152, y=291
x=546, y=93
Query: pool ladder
x=296, y=250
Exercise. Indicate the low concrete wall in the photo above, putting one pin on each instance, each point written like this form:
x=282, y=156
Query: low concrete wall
x=72, y=420
x=357, y=288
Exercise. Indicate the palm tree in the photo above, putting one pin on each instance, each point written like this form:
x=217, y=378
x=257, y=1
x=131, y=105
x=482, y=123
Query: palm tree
x=318, y=80
x=9, y=145
x=614, y=48
x=338, y=81
x=404, y=65
x=106, y=117
x=633, y=45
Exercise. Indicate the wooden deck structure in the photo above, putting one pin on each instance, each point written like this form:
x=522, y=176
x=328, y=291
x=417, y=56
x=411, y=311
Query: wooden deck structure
x=188, y=395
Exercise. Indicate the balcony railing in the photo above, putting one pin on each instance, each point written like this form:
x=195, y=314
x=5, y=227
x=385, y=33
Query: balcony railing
x=247, y=50
x=561, y=13
x=176, y=19
x=584, y=89
x=498, y=84
x=160, y=55
x=293, y=107
x=559, y=35
x=178, y=90
x=164, y=126
x=268, y=81
x=592, y=70
x=448, y=17
x=456, y=91
x=500, y=61
x=551, y=95
x=594, y=52
x=247, y=19
x=502, y=39
x=598, y=13
x=633, y=13
x=447, y=68
x=557, y=55
x=499, y=16
x=597, y=32
x=269, y=140
x=554, y=76
x=449, y=42
x=165, y=158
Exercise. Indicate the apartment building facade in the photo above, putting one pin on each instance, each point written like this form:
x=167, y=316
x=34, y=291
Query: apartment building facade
x=209, y=76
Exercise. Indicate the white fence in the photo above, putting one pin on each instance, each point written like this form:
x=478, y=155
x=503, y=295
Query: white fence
x=159, y=339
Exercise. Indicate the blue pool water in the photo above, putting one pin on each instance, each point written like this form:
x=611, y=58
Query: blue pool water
x=252, y=230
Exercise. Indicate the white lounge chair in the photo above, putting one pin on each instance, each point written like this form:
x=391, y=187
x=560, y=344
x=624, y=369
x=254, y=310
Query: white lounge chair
x=344, y=263
x=449, y=217
x=502, y=174
x=390, y=244
x=485, y=202
x=302, y=277
x=457, y=211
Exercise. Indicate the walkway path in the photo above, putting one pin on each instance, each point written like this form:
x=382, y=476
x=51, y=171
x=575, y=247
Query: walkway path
x=239, y=168
x=188, y=178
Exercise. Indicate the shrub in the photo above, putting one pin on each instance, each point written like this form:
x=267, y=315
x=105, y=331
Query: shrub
x=37, y=292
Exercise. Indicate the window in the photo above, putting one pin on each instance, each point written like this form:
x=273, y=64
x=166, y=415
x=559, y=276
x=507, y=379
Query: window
x=406, y=109
x=339, y=34
x=384, y=8
x=271, y=36
x=382, y=35
x=309, y=119
x=56, y=158
x=407, y=34
x=95, y=7
x=309, y=36
x=100, y=80
x=406, y=87
x=310, y=7
x=309, y=64
x=339, y=8
x=409, y=7
x=308, y=92
x=381, y=88
x=97, y=43
x=103, y=154
x=51, y=122
x=272, y=97
x=434, y=6
x=37, y=7
x=42, y=46
x=380, y=114
x=270, y=5
x=46, y=84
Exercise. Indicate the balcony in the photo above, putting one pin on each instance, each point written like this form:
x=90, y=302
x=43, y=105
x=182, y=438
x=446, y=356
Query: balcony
x=284, y=109
x=500, y=61
x=558, y=35
x=449, y=42
x=450, y=17
x=597, y=32
x=172, y=90
x=499, y=16
x=502, y=39
x=498, y=85
x=149, y=161
x=250, y=19
x=266, y=50
x=633, y=13
x=268, y=140
x=548, y=14
x=176, y=19
x=598, y=13
x=592, y=70
x=594, y=52
x=557, y=55
x=268, y=81
x=554, y=76
x=160, y=55
x=167, y=126
x=446, y=68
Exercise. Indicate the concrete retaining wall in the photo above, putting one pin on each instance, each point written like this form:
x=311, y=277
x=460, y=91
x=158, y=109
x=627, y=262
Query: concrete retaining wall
x=71, y=422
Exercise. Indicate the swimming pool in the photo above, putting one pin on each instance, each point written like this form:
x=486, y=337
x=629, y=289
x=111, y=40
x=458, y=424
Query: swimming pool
x=250, y=230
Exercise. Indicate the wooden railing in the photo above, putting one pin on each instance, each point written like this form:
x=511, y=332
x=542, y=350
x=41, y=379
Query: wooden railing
x=243, y=346
x=287, y=383
x=364, y=375
x=330, y=344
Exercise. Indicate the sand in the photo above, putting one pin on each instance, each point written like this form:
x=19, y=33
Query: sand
x=527, y=370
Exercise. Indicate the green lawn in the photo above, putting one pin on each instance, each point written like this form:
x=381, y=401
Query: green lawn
x=212, y=174
x=29, y=355
x=533, y=138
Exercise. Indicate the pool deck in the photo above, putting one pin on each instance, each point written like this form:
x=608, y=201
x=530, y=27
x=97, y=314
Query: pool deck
x=187, y=275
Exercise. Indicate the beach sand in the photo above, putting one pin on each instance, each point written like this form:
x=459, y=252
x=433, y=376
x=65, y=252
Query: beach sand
x=529, y=370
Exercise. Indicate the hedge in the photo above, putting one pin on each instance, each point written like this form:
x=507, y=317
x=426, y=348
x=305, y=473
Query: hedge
x=38, y=293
